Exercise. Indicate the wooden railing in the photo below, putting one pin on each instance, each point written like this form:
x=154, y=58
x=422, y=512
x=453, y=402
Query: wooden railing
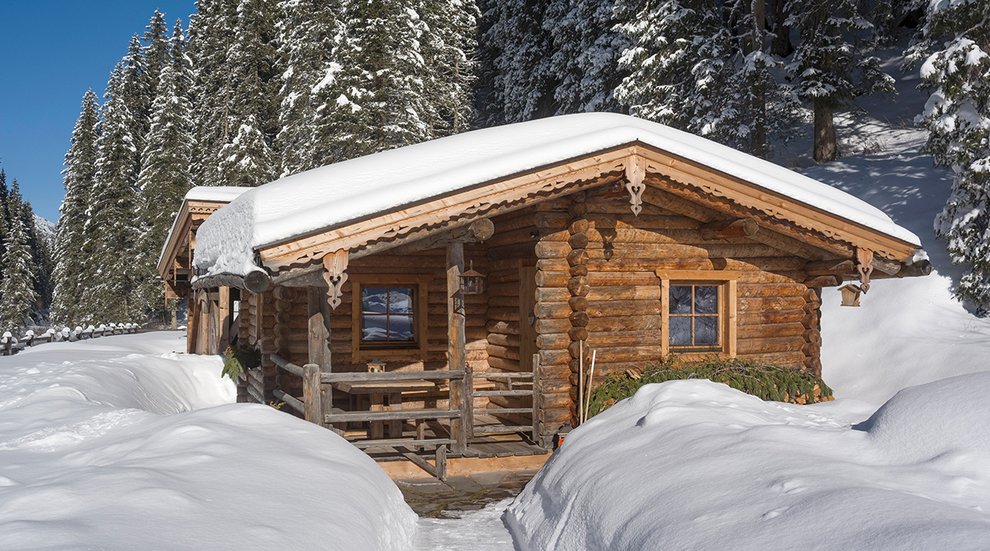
x=515, y=385
x=10, y=345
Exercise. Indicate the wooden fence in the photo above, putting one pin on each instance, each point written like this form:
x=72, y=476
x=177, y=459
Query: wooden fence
x=10, y=345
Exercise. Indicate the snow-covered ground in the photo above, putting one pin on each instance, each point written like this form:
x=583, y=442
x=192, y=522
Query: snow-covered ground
x=118, y=443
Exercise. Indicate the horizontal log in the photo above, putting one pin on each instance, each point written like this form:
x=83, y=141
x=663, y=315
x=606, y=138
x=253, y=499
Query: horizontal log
x=339, y=416
x=392, y=376
x=502, y=429
x=290, y=401
x=486, y=393
x=405, y=442
x=624, y=323
x=742, y=227
x=763, y=345
x=748, y=304
x=625, y=292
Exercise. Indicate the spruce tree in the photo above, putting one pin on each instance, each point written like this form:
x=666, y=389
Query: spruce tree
x=832, y=64
x=679, y=64
x=164, y=179
x=523, y=83
x=247, y=157
x=448, y=47
x=72, y=265
x=18, y=299
x=957, y=116
x=155, y=54
x=111, y=225
x=211, y=32
x=309, y=37
x=374, y=97
x=587, y=45
x=4, y=218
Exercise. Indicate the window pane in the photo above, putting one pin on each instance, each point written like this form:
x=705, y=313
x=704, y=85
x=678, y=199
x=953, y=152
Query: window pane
x=400, y=300
x=680, y=299
x=706, y=330
x=680, y=330
x=374, y=328
x=374, y=300
x=706, y=299
x=401, y=328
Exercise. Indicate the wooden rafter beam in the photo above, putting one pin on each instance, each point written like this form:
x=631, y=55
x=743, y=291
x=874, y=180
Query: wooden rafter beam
x=477, y=231
x=724, y=229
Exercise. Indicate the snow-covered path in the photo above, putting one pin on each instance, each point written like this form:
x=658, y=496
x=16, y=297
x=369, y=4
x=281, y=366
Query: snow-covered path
x=481, y=530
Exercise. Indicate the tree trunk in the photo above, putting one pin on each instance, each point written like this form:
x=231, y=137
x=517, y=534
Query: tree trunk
x=758, y=137
x=825, y=146
x=782, y=40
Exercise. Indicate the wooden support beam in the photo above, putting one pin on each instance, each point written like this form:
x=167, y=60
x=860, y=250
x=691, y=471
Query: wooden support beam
x=311, y=394
x=836, y=266
x=319, y=329
x=257, y=281
x=477, y=231
x=919, y=268
x=824, y=281
x=460, y=394
x=723, y=229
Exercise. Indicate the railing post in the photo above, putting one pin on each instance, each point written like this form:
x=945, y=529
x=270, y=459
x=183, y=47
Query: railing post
x=536, y=401
x=311, y=394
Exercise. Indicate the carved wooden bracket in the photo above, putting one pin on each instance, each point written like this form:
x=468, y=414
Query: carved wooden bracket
x=864, y=266
x=635, y=174
x=334, y=273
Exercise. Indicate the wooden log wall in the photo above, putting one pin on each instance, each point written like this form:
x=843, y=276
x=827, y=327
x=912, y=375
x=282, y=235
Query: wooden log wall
x=291, y=334
x=554, y=317
x=597, y=281
x=256, y=329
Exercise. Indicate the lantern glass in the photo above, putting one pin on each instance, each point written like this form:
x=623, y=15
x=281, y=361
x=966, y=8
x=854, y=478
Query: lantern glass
x=472, y=282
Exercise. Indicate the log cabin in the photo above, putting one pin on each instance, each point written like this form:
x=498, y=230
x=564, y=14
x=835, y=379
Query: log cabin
x=445, y=298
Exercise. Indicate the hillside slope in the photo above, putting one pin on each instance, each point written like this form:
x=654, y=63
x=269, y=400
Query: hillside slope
x=909, y=331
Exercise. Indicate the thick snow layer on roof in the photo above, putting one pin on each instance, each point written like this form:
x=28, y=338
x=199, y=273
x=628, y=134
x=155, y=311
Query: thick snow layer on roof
x=331, y=195
x=224, y=194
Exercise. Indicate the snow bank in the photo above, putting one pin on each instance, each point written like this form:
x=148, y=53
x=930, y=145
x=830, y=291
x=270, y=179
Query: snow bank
x=120, y=444
x=697, y=465
x=346, y=191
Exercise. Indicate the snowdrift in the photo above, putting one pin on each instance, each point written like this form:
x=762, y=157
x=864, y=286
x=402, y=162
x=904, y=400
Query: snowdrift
x=112, y=444
x=697, y=465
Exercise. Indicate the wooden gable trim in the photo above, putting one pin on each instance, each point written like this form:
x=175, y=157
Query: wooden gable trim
x=179, y=236
x=442, y=213
x=719, y=184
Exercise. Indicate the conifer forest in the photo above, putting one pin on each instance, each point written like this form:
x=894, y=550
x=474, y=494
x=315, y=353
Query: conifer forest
x=247, y=91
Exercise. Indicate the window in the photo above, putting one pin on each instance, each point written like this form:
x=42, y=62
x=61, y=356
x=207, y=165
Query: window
x=699, y=312
x=388, y=316
x=695, y=316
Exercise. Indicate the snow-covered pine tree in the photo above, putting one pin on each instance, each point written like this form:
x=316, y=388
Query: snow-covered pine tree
x=587, y=45
x=72, y=265
x=448, y=46
x=957, y=116
x=135, y=91
x=155, y=54
x=4, y=192
x=41, y=260
x=18, y=299
x=678, y=64
x=164, y=179
x=211, y=32
x=111, y=226
x=522, y=84
x=309, y=34
x=373, y=98
x=247, y=157
x=832, y=64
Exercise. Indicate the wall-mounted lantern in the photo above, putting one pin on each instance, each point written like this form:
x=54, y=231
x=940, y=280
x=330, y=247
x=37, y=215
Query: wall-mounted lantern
x=850, y=294
x=472, y=282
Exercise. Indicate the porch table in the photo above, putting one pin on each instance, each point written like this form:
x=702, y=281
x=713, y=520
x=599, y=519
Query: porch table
x=378, y=391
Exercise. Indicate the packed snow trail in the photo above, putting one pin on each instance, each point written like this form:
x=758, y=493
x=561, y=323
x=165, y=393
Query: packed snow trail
x=119, y=444
x=481, y=530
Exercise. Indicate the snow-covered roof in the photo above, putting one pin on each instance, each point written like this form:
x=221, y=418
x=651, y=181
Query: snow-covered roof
x=310, y=201
x=215, y=194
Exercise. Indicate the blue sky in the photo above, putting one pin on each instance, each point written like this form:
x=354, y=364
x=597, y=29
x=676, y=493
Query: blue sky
x=51, y=52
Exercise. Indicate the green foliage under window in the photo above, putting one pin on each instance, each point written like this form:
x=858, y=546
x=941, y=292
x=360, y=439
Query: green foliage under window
x=768, y=382
x=236, y=359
